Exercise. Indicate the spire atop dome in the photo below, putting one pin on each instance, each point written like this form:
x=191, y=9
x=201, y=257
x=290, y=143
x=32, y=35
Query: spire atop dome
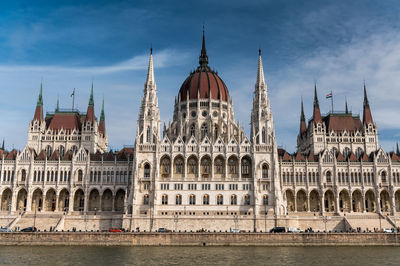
x=203, y=59
x=260, y=71
x=150, y=69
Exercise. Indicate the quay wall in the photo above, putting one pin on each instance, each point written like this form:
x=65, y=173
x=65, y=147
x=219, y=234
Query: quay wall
x=200, y=239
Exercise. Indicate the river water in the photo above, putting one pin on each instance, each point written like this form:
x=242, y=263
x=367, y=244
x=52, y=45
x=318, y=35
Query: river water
x=89, y=255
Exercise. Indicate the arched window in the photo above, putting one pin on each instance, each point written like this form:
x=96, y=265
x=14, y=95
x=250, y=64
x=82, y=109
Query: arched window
x=232, y=166
x=263, y=139
x=359, y=152
x=146, y=200
x=148, y=135
x=219, y=169
x=178, y=199
x=147, y=170
x=346, y=152
x=204, y=130
x=246, y=167
x=74, y=149
x=265, y=171
x=61, y=150
x=179, y=166
x=165, y=166
x=215, y=132
x=233, y=200
x=328, y=177
x=246, y=199
x=49, y=151
x=205, y=166
x=220, y=199
x=193, y=130
x=192, y=166
x=383, y=177
x=80, y=175
x=265, y=200
x=23, y=175
x=192, y=199
x=206, y=200
x=164, y=199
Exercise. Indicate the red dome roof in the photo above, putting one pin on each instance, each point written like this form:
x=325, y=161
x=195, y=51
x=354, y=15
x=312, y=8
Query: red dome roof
x=201, y=83
x=204, y=81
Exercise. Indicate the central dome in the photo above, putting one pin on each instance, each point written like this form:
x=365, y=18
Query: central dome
x=203, y=82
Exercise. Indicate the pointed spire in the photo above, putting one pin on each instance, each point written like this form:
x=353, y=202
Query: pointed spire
x=260, y=71
x=102, y=117
x=346, y=108
x=58, y=104
x=150, y=69
x=91, y=101
x=397, y=147
x=102, y=123
x=38, y=116
x=303, y=126
x=316, y=113
x=367, y=116
x=3, y=147
x=203, y=59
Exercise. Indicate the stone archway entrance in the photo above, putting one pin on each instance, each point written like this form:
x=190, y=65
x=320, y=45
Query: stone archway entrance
x=397, y=200
x=50, y=201
x=290, y=201
x=6, y=200
x=63, y=200
x=344, y=201
x=385, y=201
x=357, y=201
x=329, y=203
x=21, y=200
x=370, y=201
x=107, y=200
x=37, y=200
x=301, y=200
x=79, y=200
x=314, y=201
x=119, y=201
x=94, y=200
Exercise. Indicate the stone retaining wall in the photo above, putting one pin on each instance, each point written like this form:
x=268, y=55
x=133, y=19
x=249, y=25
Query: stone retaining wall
x=201, y=239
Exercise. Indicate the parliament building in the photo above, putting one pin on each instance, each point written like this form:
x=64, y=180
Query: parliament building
x=201, y=171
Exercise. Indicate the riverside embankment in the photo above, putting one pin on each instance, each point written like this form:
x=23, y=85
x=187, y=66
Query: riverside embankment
x=200, y=239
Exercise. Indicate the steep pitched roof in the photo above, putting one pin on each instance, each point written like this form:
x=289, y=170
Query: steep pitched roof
x=286, y=157
x=41, y=156
x=340, y=157
x=12, y=155
x=64, y=120
x=342, y=122
x=299, y=157
x=353, y=157
x=312, y=158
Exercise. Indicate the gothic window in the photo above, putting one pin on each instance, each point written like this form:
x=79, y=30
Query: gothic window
x=328, y=177
x=233, y=200
x=246, y=167
x=219, y=166
x=205, y=166
x=192, y=199
x=178, y=200
x=23, y=175
x=193, y=130
x=263, y=135
x=48, y=151
x=147, y=170
x=62, y=151
x=148, y=135
x=165, y=166
x=246, y=199
x=359, y=152
x=383, y=177
x=265, y=171
x=146, y=200
x=179, y=166
x=74, y=149
x=164, y=199
x=204, y=131
x=346, y=152
x=80, y=175
x=206, y=200
x=265, y=200
x=220, y=199
x=215, y=132
x=192, y=166
x=232, y=166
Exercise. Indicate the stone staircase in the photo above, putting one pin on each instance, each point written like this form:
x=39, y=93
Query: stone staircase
x=42, y=222
x=368, y=221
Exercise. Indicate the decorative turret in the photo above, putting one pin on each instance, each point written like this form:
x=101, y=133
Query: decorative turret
x=367, y=117
x=303, y=126
x=203, y=59
x=39, y=106
x=102, y=123
x=149, y=115
x=316, y=111
x=346, y=108
x=90, y=111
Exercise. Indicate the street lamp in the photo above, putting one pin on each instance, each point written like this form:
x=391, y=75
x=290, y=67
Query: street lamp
x=325, y=218
x=34, y=219
x=95, y=209
x=9, y=213
x=235, y=220
x=265, y=218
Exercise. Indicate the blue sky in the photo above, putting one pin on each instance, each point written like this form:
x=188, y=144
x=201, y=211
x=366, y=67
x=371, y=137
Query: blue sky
x=71, y=43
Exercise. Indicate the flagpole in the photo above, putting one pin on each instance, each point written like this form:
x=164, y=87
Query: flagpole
x=332, y=100
x=73, y=100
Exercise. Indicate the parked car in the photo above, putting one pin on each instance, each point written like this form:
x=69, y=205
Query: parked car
x=115, y=230
x=2, y=230
x=294, y=230
x=235, y=230
x=387, y=230
x=278, y=230
x=29, y=229
x=163, y=230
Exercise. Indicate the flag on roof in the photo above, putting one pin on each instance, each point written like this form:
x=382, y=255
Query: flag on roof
x=329, y=95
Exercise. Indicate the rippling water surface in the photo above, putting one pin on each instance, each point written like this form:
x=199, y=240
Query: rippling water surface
x=87, y=255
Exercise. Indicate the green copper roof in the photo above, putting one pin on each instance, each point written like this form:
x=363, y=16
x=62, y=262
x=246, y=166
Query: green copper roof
x=40, y=98
x=91, y=101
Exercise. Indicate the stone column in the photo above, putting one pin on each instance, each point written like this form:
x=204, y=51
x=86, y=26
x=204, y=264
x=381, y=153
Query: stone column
x=71, y=202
